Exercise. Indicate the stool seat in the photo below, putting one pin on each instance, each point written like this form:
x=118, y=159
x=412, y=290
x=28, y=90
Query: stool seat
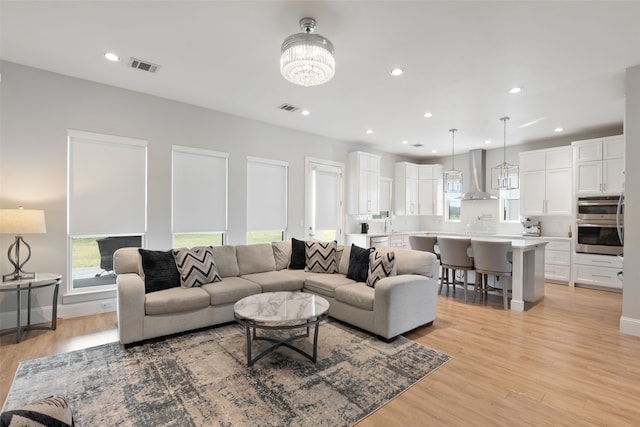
x=493, y=258
x=454, y=255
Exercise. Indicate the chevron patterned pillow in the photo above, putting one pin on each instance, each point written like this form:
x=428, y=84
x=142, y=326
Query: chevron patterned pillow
x=196, y=266
x=52, y=411
x=381, y=265
x=320, y=257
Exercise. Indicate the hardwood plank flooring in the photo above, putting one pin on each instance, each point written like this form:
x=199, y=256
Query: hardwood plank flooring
x=563, y=362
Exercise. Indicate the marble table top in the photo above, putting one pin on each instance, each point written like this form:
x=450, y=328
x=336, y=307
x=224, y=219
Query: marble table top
x=280, y=308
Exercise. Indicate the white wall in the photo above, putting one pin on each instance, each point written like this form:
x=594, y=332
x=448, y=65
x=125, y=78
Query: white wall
x=39, y=106
x=630, y=320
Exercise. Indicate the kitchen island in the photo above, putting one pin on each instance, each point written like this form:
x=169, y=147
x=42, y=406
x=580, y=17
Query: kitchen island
x=528, y=259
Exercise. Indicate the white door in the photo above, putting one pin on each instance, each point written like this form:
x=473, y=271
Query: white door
x=558, y=192
x=588, y=178
x=324, y=200
x=426, y=197
x=532, y=192
x=613, y=176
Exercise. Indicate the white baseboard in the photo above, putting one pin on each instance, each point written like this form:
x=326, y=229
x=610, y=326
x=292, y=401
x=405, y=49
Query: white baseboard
x=630, y=326
x=65, y=311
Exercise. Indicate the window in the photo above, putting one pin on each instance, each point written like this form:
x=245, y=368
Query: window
x=266, y=200
x=510, y=205
x=199, y=197
x=107, y=204
x=452, y=206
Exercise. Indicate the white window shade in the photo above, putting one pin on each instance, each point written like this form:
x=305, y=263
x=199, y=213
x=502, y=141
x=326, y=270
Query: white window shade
x=107, y=184
x=266, y=195
x=199, y=194
x=327, y=189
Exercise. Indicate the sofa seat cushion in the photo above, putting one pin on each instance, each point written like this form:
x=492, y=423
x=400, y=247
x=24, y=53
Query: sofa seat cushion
x=274, y=281
x=175, y=300
x=230, y=290
x=300, y=274
x=358, y=295
x=326, y=284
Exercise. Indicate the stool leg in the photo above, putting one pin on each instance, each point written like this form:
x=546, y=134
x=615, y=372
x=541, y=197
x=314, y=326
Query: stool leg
x=505, y=294
x=476, y=285
x=464, y=289
x=442, y=280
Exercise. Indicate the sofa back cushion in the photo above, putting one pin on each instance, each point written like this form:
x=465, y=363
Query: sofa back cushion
x=226, y=261
x=256, y=258
x=282, y=254
x=343, y=263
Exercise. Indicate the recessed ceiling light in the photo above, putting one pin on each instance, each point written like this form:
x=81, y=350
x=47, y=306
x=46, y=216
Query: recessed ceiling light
x=427, y=115
x=369, y=131
x=112, y=56
x=434, y=151
x=515, y=90
x=305, y=112
x=488, y=141
x=405, y=142
x=397, y=72
x=558, y=129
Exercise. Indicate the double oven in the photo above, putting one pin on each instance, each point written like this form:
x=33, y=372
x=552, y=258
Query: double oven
x=599, y=223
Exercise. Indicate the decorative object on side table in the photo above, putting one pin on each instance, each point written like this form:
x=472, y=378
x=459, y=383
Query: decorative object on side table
x=20, y=221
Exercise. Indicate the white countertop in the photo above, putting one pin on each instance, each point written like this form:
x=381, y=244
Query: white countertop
x=471, y=235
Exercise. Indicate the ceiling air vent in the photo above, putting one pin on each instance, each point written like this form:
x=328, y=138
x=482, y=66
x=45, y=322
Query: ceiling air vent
x=417, y=145
x=288, y=107
x=139, y=64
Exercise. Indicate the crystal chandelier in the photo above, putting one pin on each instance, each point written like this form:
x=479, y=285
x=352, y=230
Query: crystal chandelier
x=453, y=177
x=505, y=176
x=307, y=59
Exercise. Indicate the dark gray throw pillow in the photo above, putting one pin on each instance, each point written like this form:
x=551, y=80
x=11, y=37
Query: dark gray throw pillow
x=298, y=259
x=160, y=271
x=358, y=264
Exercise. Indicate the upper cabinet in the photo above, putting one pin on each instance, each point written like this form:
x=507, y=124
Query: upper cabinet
x=599, y=165
x=545, y=182
x=418, y=189
x=364, y=183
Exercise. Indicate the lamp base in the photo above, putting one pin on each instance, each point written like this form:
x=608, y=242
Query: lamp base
x=18, y=276
x=14, y=259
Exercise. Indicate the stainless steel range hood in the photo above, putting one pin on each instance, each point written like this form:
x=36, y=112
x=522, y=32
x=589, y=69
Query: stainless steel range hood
x=478, y=171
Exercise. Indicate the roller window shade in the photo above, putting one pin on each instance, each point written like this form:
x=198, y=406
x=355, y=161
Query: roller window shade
x=266, y=195
x=107, y=184
x=200, y=185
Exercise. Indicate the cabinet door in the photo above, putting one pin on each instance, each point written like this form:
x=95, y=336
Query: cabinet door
x=613, y=176
x=412, y=196
x=532, y=192
x=559, y=158
x=363, y=192
x=426, y=197
x=588, y=151
x=613, y=148
x=588, y=178
x=373, y=186
x=533, y=161
x=558, y=191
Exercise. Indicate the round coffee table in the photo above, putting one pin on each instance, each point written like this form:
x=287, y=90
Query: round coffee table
x=281, y=311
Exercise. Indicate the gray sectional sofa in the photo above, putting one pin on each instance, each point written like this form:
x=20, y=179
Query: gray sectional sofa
x=396, y=305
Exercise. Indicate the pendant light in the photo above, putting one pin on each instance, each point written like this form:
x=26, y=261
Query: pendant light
x=453, y=177
x=505, y=176
x=306, y=58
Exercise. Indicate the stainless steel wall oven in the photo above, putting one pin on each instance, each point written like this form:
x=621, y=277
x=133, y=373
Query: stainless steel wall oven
x=597, y=220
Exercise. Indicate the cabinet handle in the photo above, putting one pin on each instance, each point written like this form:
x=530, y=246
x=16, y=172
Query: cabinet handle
x=601, y=275
x=601, y=261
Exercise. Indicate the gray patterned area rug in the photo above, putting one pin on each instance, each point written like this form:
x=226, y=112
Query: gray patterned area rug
x=201, y=379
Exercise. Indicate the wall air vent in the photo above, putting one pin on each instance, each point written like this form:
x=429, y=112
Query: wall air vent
x=288, y=107
x=417, y=145
x=139, y=64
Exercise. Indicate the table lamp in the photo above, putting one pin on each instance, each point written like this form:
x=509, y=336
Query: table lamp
x=20, y=221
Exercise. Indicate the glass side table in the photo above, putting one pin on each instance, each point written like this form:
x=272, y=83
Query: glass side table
x=42, y=280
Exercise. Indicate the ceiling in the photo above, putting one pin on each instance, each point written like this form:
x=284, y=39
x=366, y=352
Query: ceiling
x=460, y=60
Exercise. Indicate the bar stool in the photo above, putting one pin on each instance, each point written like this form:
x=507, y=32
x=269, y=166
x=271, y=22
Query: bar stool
x=493, y=258
x=428, y=244
x=453, y=255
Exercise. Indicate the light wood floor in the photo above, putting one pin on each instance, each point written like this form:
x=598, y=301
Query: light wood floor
x=563, y=362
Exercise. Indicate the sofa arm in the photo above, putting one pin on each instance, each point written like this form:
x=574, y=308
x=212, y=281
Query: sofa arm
x=404, y=302
x=130, y=293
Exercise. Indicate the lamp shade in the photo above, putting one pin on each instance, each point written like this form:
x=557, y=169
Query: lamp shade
x=22, y=221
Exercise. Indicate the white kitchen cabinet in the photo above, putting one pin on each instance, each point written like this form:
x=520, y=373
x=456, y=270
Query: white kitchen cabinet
x=418, y=189
x=599, y=166
x=364, y=183
x=557, y=260
x=545, y=182
x=597, y=270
